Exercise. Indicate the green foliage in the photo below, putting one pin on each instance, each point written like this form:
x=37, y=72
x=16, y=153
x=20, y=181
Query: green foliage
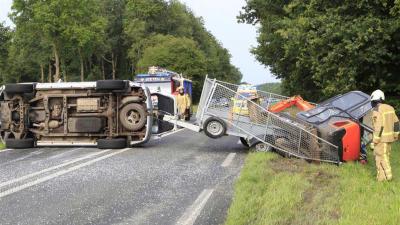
x=177, y=54
x=275, y=88
x=321, y=48
x=108, y=39
x=167, y=34
x=276, y=190
x=5, y=38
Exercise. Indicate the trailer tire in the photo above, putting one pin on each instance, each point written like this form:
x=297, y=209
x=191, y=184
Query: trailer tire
x=111, y=85
x=133, y=117
x=214, y=128
x=19, y=88
x=244, y=142
x=20, y=143
x=116, y=143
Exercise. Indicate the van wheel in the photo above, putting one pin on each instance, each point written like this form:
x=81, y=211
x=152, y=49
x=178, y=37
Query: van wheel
x=110, y=85
x=214, y=128
x=19, y=88
x=116, y=143
x=133, y=117
x=20, y=143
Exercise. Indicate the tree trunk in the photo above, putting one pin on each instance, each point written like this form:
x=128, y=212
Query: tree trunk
x=82, y=66
x=65, y=74
x=57, y=63
x=41, y=73
x=102, y=69
x=114, y=65
x=50, y=73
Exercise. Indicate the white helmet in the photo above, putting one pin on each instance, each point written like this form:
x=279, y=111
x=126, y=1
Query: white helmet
x=377, y=95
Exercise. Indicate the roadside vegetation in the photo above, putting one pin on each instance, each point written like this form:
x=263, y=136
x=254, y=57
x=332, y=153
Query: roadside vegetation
x=275, y=88
x=276, y=190
x=76, y=40
x=323, y=48
x=2, y=146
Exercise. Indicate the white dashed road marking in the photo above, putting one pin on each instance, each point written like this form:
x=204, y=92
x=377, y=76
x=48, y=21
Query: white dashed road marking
x=191, y=213
x=228, y=160
x=59, y=173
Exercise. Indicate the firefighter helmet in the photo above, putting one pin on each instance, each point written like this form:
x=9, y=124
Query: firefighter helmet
x=377, y=95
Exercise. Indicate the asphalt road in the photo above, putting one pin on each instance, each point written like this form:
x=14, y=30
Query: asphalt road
x=184, y=178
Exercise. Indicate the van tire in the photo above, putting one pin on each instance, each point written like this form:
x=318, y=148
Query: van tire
x=116, y=143
x=111, y=85
x=138, y=119
x=19, y=88
x=20, y=143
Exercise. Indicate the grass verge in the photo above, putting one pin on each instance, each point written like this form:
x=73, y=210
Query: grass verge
x=2, y=146
x=275, y=190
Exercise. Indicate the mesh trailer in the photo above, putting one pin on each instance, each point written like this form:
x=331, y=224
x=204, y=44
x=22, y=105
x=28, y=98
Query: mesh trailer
x=219, y=115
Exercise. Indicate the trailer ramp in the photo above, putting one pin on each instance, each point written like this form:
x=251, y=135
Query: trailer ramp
x=250, y=118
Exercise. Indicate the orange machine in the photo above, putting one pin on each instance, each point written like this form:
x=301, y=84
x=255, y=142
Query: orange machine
x=350, y=142
x=297, y=101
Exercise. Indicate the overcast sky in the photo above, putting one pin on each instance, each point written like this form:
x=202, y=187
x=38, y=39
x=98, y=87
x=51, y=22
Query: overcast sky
x=220, y=18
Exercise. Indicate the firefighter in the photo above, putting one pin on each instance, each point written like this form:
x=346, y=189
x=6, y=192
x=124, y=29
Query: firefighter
x=183, y=103
x=386, y=131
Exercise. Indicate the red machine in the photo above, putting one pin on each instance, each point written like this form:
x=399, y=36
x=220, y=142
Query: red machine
x=341, y=132
x=351, y=139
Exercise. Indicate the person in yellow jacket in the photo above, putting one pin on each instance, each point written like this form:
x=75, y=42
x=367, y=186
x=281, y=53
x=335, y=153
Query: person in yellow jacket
x=386, y=131
x=183, y=103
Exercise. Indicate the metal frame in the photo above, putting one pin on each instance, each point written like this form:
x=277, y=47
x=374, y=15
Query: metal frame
x=242, y=126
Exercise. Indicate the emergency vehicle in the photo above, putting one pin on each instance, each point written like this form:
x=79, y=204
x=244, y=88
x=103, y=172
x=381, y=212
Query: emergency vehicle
x=163, y=83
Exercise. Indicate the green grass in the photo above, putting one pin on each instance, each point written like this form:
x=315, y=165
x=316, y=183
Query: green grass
x=275, y=190
x=2, y=146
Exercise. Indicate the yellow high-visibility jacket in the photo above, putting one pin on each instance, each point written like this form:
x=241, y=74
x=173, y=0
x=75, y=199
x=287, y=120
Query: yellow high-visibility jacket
x=183, y=102
x=385, y=123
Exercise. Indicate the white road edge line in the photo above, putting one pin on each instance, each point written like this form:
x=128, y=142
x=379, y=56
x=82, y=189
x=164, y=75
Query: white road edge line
x=50, y=169
x=59, y=173
x=191, y=213
x=228, y=160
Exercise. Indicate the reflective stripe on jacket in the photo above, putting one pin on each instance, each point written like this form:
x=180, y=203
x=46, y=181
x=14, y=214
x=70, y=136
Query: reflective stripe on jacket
x=386, y=124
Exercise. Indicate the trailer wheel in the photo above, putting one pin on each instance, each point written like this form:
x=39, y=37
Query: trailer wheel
x=262, y=147
x=19, y=88
x=110, y=85
x=244, y=142
x=20, y=143
x=116, y=143
x=133, y=117
x=214, y=128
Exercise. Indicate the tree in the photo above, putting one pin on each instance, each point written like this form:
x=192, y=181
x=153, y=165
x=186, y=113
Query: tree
x=5, y=38
x=321, y=48
x=177, y=54
x=103, y=39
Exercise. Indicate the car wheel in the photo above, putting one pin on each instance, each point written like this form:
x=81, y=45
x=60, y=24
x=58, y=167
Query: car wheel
x=19, y=88
x=20, y=143
x=244, y=142
x=116, y=143
x=110, y=85
x=133, y=117
x=214, y=128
